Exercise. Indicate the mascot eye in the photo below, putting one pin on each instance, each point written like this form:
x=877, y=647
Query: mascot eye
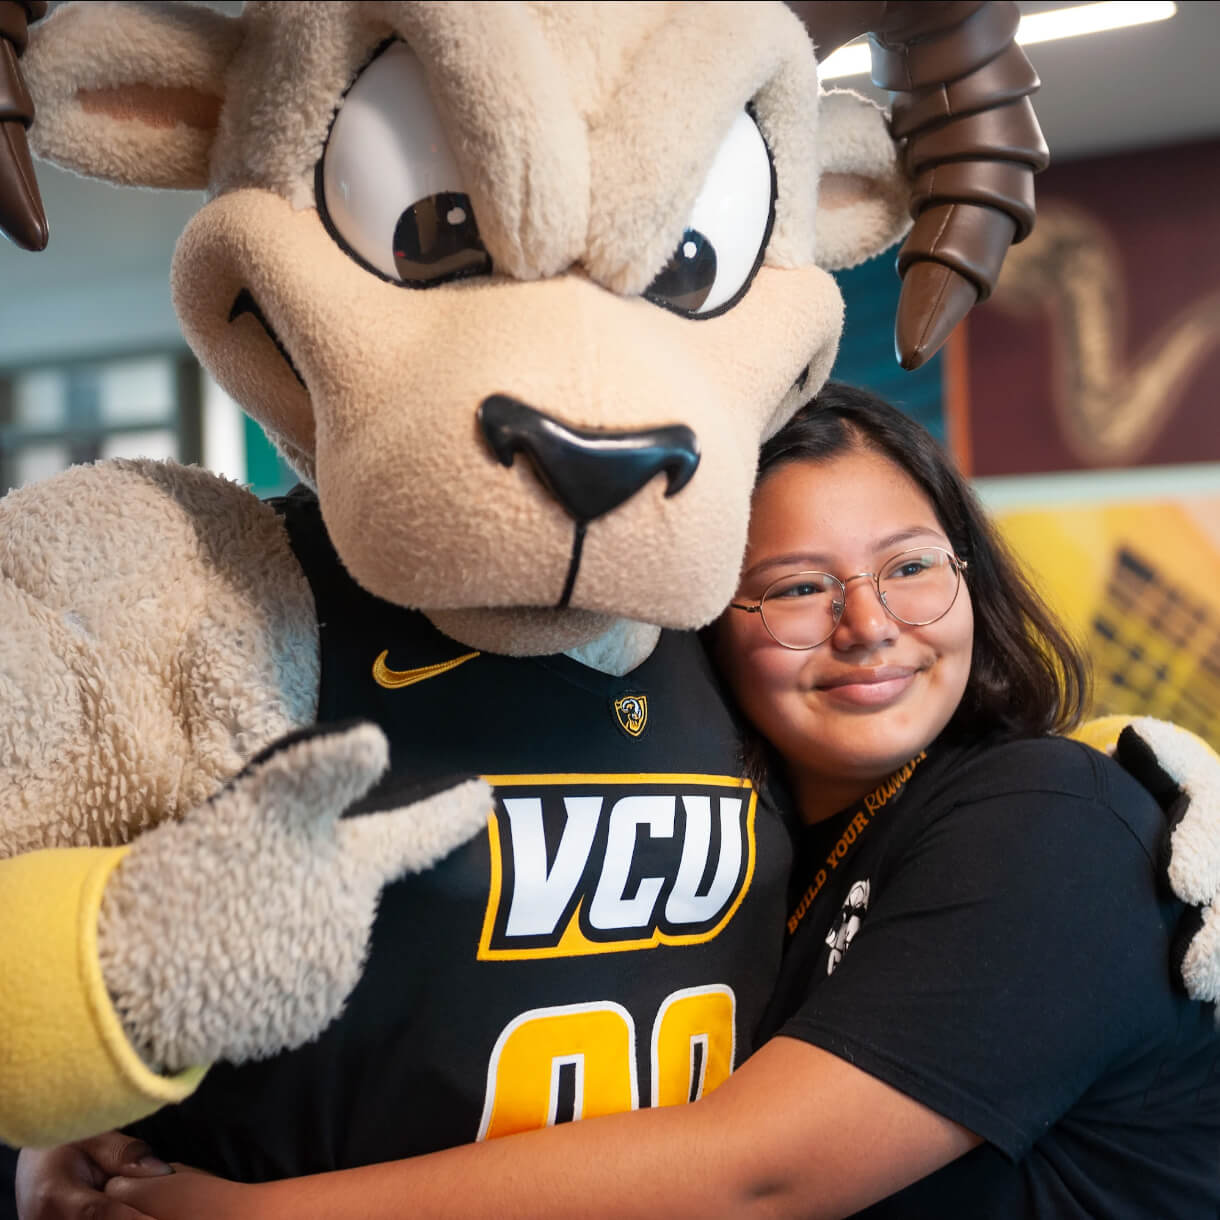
x=727, y=233
x=388, y=185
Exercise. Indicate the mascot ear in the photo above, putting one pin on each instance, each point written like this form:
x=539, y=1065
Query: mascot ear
x=130, y=93
x=863, y=196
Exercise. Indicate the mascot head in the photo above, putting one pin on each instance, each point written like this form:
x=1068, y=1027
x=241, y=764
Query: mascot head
x=518, y=287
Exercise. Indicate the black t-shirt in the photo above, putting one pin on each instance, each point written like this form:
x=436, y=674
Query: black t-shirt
x=613, y=938
x=984, y=932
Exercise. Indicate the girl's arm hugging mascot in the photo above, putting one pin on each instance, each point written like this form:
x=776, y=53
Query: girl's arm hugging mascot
x=518, y=289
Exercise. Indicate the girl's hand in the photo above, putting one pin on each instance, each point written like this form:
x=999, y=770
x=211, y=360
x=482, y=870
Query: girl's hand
x=187, y=1194
x=66, y=1183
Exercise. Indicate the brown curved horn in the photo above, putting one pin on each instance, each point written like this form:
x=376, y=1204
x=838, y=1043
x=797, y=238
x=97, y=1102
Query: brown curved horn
x=972, y=144
x=21, y=212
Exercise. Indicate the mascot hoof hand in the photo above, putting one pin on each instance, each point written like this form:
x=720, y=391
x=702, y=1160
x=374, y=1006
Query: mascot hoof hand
x=1183, y=772
x=240, y=930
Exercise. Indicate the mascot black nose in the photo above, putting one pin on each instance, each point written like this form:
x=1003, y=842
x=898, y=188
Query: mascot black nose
x=589, y=471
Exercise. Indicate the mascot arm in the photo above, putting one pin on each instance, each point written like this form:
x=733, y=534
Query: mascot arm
x=159, y=632
x=120, y=631
x=1183, y=772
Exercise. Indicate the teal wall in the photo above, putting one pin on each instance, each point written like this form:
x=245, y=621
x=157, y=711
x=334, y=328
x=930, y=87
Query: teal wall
x=266, y=472
x=866, y=352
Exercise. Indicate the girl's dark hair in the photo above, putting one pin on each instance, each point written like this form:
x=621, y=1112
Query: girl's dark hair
x=1027, y=676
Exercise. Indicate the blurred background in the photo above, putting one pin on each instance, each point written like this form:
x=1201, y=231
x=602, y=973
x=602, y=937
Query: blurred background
x=1082, y=399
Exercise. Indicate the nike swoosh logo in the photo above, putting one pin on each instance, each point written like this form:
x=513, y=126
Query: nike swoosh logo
x=395, y=679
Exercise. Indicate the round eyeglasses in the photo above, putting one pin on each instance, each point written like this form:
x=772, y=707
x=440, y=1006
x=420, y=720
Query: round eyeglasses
x=802, y=610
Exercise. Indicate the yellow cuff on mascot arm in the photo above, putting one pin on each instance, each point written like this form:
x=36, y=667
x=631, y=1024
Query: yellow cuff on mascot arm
x=67, y=1069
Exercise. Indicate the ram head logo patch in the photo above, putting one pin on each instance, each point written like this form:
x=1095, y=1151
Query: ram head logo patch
x=631, y=712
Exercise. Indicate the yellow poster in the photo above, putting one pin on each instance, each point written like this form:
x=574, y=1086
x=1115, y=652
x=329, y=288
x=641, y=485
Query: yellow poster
x=1139, y=583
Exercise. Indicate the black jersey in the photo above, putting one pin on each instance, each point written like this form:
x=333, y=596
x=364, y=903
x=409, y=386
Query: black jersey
x=609, y=943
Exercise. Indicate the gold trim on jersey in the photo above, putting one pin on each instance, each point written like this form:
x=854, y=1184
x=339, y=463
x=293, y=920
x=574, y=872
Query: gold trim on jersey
x=395, y=679
x=572, y=940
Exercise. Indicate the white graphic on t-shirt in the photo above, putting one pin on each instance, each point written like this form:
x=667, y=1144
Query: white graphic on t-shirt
x=847, y=925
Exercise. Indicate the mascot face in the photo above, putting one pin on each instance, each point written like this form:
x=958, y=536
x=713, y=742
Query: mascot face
x=518, y=287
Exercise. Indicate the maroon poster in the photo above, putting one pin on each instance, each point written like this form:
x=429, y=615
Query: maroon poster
x=1101, y=345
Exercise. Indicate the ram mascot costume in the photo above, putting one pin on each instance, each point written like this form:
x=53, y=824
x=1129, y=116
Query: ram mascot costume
x=398, y=797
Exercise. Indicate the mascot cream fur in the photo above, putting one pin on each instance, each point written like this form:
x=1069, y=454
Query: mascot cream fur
x=518, y=289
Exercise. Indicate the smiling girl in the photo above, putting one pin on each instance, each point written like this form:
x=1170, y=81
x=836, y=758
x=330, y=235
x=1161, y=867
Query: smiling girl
x=975, y=1015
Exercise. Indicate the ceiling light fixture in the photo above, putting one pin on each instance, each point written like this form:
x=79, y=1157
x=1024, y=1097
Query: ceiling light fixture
x=853, y=59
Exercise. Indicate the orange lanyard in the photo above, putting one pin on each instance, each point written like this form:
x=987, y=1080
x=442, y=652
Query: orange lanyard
x=863, y=814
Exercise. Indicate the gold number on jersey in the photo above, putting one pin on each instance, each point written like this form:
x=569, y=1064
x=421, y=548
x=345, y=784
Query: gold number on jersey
x=693, y=1044
x=693, y=1050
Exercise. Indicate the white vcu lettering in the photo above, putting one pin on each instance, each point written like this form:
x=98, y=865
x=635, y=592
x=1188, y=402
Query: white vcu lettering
x=646, y=863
